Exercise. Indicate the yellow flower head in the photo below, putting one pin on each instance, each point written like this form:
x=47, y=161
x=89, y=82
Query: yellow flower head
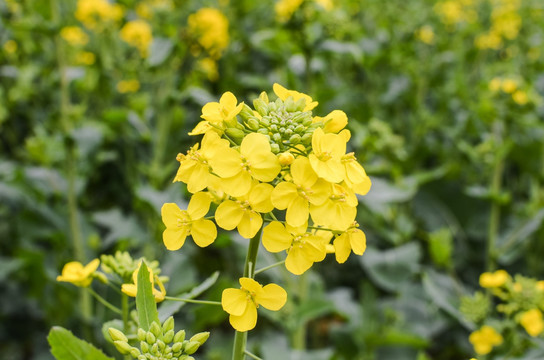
x=425, y=34
x=283, y=94
x=217, y=115
x=297, y=195
x=286, y=8
x=338, y=211
x=243, y=213
x=74, y=272
x=182, y=223
x=327, y=152
x=132, y=289
x=241, y=304
x=128, y=86
x=85, y=58
x=138, y=34
x=520, y=97
x=238, y=169
x=74, y=35
x=509, y=86
x=495, y=84
x=335, y=121
x=303, y=248
x=355, y=175
x=10, y=46
x=93, y=12
x=532, y=322
x=484, y=339
x=211, y=29
x=352, y=239
x=494, y=280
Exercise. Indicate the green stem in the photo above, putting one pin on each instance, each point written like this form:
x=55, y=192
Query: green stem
x=298, y=337
x=104, y=302
x=269, y=267
x=204, y=302
x=495, y=213
x=124, y=309
x=240, y=338
x=251, y=355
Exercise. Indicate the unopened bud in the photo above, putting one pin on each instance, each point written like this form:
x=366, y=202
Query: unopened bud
x=286, y=158
x=264, y=97
x=150, y=338
x=275, y=148
x=192, y=347
x=141, y=334
x=142, y=357
x=235, y=134
x=246, y=112
x=122, y=346
x=289, y=104
x=101, y=277
x=306, y=138
x=300, y=104
x=117, y=335
x=169, y=336
x=261, y=107
x=155, y=349
x=200, y=337
x=161, y=345
x=177, y=347
x=168, y=325
x=134, y=352
x=263, y=131
x=295, y=139
x=180, y=336
x=253, y=123
x=144, y=346
x=264, y=121
x=155, y=329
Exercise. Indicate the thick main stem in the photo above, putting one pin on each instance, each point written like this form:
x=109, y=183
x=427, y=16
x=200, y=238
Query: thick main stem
x=240, y=338
x=494, y=217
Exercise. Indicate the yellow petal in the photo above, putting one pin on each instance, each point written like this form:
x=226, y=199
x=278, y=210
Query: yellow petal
x=227, y=163
x=210, y=112
x=297, y=212
x=202, y=127
x=228, y=215
x=247, y=320
x=357, y=241
x=250, y=285
x=129, y=289
x=250, y=224
x=228, y=100
x=302, y=172
x=280, y=91
x=283, y=194
x=362, y=188
x=254, y=144
x=174, y=238
x=273, y=297
x=198, y=178
x=199, y=205
x=203, y=232
x=91, y=267
x=320, y=192
x=234, y=301
x=171, y=213
x=335, y=121
x=259, y=198
x=276, y=238
x=237, y=185
x=331, y=170
x=265, y=167
x=297, y=262
x=342, y=248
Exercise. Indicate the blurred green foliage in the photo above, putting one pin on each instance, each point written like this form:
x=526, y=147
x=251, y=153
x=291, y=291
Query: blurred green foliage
x=444, y=100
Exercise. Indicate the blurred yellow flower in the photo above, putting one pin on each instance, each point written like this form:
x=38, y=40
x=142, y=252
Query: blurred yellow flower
x=286, y=8
x=85, y=58
x=509, y=86
x=491, y=40
x=484, y=339
x=241, y=304
x=425, y=34
x=495, y=84
x=74, y=35
x=209, y=67
x=128, y=86
x=92, y=12
x=10, y=46
x=520, y=97
x=540, y=285
x=532, y=322
x=138, y=34
x=132, y=289
x=74, y=272
x=211, y=29
x=493, y=280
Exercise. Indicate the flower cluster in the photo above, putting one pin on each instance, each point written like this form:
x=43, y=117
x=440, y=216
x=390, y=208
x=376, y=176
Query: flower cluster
x=505, y=24
x=453, y=12
x=286, y=8
x=160, y=342
x=93, y=12
x=520, y=299
x=511, y=87
x=210, y=28
x=138, y=34
x=275, y=167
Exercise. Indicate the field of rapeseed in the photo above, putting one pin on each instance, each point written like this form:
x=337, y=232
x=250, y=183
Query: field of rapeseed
x=289, y=179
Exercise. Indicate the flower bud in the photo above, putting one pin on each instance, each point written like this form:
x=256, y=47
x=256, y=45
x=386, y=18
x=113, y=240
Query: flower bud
x=155, y=349
x=141, y=334
x=295, y=139
x=142, y=357
x=134, y=352
x=117, y=335
x=307, y=121
x=246, y=112
x=253, y=123
x=275, y=148
x=306, y=138
x=122, y=346
x=150, y=338
x=101, y=277
x=155, y=329
x=289, y=104
x=235, y=134
x=264, y=121
x=191, y=347
x=300, y=104
x=286, y=158
x=161, y=345
x=263, y=131
x=299, y=129
x=168, y=325
x=144, y=346
x=177, y=347
x=272, y=107
x=169, y=336
x=261, y=107
x=180, y=336
x=200, y=337
x=276, y=137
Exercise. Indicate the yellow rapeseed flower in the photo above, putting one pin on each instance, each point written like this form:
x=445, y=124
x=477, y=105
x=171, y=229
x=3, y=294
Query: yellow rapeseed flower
x=74, y=272
x=491, y=40
x=425, y=34
x=254, y=160
x=74, y=35
x=335, y=121
x=93, y=12
x=338, y=211
x=286, y=8
x=10, y=46
x=243, y=212
x=284, y=93
x=182, y=223
x=217, y=115
x=494, y=280
x=241, y=304
x=327, y=152
x=132, y=289
x=85, y=58
x=509, y=86
x=138, y=34
x=209, y=67
x=211, y=29
x=194, y=168
x=303, y=248
x=532, y=321
x=128, y=86
x=352, y=239
x=520, y=97
x=297, y=195
x=484, y=339
x=355, y=175
x=495, y=84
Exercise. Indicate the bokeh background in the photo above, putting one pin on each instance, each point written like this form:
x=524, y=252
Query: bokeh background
x=445, y=105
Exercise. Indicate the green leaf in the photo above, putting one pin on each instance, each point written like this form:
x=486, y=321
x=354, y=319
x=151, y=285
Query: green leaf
x=161, y=48
x=66, y=346
x=145, y=301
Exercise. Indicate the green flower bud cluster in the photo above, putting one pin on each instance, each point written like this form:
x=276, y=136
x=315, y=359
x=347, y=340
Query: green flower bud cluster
x=124, y=265
x=159, y=343
x=285, y=123
x=475, y=308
